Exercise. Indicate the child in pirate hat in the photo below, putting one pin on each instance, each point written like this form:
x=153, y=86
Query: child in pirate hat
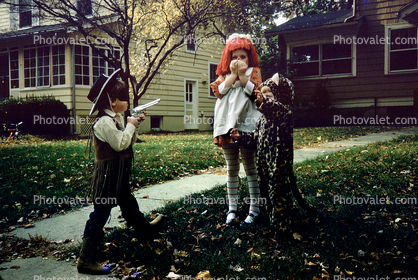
x=112, y=168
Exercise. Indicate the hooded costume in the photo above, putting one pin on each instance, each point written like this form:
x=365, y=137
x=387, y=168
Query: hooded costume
x=273, y=138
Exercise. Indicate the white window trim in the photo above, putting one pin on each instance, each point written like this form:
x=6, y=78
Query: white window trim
x=333, y=76
x=185, y=45
x=91, y=78
x=387, y=49
x=50, y=71
x=209, y=81
x=34, y=19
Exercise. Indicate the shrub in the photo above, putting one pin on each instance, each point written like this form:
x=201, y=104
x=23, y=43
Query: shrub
x=39, y=115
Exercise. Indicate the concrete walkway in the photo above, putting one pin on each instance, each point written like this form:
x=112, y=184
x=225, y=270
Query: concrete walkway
x=71, y=225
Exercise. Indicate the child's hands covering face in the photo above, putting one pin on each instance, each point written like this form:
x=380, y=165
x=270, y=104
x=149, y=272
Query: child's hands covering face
x=242, y=67
x=233, y=66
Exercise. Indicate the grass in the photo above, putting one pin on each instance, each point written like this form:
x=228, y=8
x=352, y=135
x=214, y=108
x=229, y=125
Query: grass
x=193, y=242
x=33, y=172
x=361, y=240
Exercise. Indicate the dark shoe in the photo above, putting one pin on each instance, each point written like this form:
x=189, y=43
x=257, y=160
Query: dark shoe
x=87, y=260
x=146, y=230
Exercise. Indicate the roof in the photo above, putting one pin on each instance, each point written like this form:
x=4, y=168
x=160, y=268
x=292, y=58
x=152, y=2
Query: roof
x=315, y=20
x=33, y=31
x=409, y=12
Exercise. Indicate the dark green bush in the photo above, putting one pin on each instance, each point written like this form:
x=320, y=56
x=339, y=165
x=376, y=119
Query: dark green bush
x=39, y=115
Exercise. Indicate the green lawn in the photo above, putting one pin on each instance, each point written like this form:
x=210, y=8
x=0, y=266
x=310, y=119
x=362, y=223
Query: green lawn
x=371, y=230
x=355, y=239
x=39, y=168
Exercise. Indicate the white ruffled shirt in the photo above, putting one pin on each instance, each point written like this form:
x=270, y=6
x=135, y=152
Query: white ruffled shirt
x=105, y=130
x=235, y=109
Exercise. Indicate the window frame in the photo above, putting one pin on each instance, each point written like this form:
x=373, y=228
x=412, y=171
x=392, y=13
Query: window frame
x=388, y=51
x=91, y=56
x=88, y=15
x=33, y=14
x=14, y=68
x=215, y=65
x=36, y=75
x=190, y=41
x=321, y=60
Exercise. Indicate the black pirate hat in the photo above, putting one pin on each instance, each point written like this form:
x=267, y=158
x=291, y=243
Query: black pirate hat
x=100, y=87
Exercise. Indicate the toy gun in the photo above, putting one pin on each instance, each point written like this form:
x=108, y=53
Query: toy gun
x=139, y=110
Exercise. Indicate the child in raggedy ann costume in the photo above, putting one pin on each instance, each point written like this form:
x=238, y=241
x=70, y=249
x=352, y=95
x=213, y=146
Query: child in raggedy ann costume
x=273, y=139
x=112, y=168
x=239, y=76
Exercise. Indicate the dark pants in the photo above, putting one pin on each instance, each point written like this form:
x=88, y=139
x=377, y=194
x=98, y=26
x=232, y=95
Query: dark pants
x=130, y=211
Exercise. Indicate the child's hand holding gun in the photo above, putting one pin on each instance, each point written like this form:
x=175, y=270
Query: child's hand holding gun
x=136, y=120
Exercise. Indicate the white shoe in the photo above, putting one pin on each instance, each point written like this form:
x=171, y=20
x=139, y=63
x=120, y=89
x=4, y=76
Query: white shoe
x=249, y=220
x=230, y=216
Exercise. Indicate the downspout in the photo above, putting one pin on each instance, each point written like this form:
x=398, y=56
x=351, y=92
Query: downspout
x=354, y=12
x=74, y=123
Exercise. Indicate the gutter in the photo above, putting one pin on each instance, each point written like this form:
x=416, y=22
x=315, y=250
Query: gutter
x=354, y=12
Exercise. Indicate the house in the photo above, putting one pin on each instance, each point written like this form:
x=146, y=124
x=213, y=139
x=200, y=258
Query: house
x=367, y=54
x=41, y=58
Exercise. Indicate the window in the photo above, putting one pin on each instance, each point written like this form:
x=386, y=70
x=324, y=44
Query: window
x=58, y=65
x=322, y=60
x=25, y=13
x=403, y=49
x=111, y=69
x=156, y=122
x=101, y=66
x=84, y=57
x=212, y=77
x=189, y=92
x=14, y=69
x=42, y=66
x=191, y=45
x=82, y=65
x=84, y=7
x=29, y=68
x=37, y=66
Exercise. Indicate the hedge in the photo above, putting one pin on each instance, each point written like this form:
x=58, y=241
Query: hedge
x=39, y=115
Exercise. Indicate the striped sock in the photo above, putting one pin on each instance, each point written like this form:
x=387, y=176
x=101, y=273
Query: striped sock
x=248, y=159
x=231, y=154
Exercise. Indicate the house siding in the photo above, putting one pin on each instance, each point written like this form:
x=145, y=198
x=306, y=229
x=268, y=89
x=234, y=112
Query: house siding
x=371, y=84
x=168, y=85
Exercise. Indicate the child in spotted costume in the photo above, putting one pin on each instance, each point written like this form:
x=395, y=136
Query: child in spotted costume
x=273, y=138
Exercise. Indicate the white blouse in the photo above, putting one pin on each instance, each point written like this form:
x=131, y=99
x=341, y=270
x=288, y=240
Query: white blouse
x=235, y=109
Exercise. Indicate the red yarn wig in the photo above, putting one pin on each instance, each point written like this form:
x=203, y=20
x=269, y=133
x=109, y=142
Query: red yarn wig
x=233, y=45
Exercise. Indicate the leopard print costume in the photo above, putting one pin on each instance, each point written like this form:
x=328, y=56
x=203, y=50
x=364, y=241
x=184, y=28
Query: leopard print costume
x=273, y=138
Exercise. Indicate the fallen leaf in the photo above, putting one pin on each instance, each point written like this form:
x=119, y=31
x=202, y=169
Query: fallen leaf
x=255, y=256
x=204, y=275
x=297, y=236
x=238, y=242
x=348, y=272
x=173, y=275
